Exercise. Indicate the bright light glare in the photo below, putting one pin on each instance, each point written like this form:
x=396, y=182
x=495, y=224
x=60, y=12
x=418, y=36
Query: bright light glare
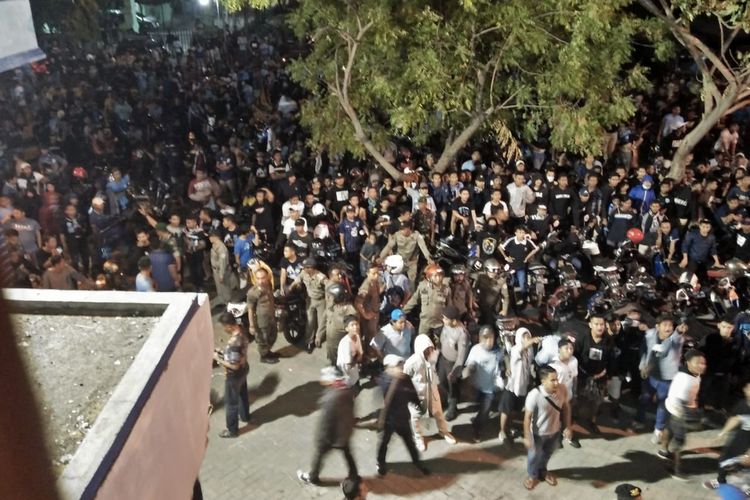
x=204, y=2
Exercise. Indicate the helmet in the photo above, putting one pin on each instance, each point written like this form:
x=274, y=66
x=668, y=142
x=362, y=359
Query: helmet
x=394, y=264
x=309, y=262
x=598, y=304
x=338, y=292
x=492, y=266
x=458, y=269
x=431, y=270
x=79, y=173
x=635, y=235
x=318, y=209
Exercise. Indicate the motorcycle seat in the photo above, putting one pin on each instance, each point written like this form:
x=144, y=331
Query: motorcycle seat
x=607, y=269
x=716, y=273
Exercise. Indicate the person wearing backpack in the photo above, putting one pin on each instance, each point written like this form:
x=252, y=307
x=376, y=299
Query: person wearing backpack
x=546, y=409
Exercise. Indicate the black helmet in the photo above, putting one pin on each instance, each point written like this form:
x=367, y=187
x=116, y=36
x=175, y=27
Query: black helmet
x=309, y=262
x=338, y=292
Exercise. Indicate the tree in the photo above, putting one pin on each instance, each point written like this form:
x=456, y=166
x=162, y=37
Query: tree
x=451, y=68
x=724, y=69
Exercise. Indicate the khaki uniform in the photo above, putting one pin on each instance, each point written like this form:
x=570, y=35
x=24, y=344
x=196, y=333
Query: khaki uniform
x=336, y=329
x=368, y=301
x=222, y=271
x=261, y=311
x=408, y=248
x=315, y=287
x=433, y=299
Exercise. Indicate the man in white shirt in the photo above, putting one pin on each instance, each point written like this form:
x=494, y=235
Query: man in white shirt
x=682, y=406
x=395, y=337
x=520, y=195
x=546, y=412
x=349, y=353
x=566, y=366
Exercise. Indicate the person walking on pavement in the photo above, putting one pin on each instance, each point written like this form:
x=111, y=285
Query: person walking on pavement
x=335, y=425
x=234, y=360
x=261, y=312
x=546, y=411
x=519, y=378
x=485, y=364
x=315, y=288
x=399, y=392
x=454, y=347
x=421, y=368
x=432, y=295
x=566, y=366
x=350, y=353
x=683, y=411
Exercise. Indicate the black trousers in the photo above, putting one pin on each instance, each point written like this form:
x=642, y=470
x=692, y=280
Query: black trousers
x=321, y=451
x=450, y=388
x=236, y=400
x=407, y=436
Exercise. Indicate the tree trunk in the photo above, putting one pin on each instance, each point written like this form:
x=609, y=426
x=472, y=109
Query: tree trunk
x=459, y=142
x=708, y=121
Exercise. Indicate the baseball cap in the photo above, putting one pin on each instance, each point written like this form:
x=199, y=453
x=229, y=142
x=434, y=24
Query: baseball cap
x=583, y=192
x=543, y=207
x=339, y=175
x=309, y=262
x=349, y=208
x=627, y=490
x=397, y=314
x=451, y=312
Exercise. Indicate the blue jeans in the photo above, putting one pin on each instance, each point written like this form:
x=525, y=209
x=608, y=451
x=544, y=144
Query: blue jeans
x=650, y=387
x=538, y=456
x=521, y=279
x=236, y=401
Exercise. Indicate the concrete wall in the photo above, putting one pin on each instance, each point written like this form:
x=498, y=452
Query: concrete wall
x=149, y=440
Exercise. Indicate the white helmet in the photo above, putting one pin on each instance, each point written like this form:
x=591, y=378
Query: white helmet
x=318, y=209
x=394, y=264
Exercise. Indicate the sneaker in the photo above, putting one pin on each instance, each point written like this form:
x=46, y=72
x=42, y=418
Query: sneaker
x=305, y=477
x=381, y=469
x=502, y=437
x=664, y=455
x=269, y=360
x=226, y=433
x=713, y=484
x=449, y=438
x=573, y=442
x=656, y=437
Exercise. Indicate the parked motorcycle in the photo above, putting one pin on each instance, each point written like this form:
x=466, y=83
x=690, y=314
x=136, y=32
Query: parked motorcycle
x=291, y=316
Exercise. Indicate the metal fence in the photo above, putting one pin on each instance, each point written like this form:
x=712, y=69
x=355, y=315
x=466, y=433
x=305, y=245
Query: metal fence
x=185, y=36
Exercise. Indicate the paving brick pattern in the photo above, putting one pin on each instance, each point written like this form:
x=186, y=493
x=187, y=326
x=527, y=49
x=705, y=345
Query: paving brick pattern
x=262, y=462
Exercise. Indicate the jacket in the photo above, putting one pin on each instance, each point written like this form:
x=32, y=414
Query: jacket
x=397, y=411
x=336, y=422
x=423, y=374
x=520, y=365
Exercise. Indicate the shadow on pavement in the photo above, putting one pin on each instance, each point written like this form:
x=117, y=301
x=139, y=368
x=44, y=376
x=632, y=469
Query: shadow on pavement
x=300, y=401
x=640, y=466
x=404, y=479
x=266, y=387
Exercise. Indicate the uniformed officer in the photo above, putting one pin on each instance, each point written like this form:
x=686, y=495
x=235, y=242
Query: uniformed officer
x=315, y=287
x=234, y=361
x=407, y=244
x=367, y=304
x=492, y=293
x=335, y=324
x=432, y=294
x=462, y=296
x=261, y=309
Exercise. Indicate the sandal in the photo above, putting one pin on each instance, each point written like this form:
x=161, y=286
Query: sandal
x=550, y=479
x=530, y=483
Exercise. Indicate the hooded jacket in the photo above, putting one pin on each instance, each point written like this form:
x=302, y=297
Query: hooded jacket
x=641, y=196
x=520, y=365
x=423, y=374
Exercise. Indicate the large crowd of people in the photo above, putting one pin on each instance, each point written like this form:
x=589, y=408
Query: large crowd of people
x=158, y=168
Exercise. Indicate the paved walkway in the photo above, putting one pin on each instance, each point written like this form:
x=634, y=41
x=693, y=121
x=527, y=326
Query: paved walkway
x=263, y=461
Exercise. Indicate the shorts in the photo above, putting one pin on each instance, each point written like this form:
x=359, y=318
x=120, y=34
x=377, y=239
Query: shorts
x=676, y=426
x=509, y=402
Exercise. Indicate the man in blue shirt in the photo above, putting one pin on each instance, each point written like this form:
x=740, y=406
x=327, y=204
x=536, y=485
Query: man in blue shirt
x=352, y=234
x=698, y=248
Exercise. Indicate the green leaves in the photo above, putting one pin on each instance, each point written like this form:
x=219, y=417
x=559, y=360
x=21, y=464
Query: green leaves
x=425, y=68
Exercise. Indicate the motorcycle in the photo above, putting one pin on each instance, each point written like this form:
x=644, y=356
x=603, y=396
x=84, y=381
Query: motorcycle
x=609, y=277
x=291, y=316
x=560, y=305
x=450, y=251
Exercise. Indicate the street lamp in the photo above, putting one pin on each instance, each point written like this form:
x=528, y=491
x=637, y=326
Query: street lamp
x=205, y=3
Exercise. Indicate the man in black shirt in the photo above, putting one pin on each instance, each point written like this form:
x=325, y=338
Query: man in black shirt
x=518, y=251
x=263, y=217
x=742, y=241
x=338, y=196
x=462, y=214
x=595, y=357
